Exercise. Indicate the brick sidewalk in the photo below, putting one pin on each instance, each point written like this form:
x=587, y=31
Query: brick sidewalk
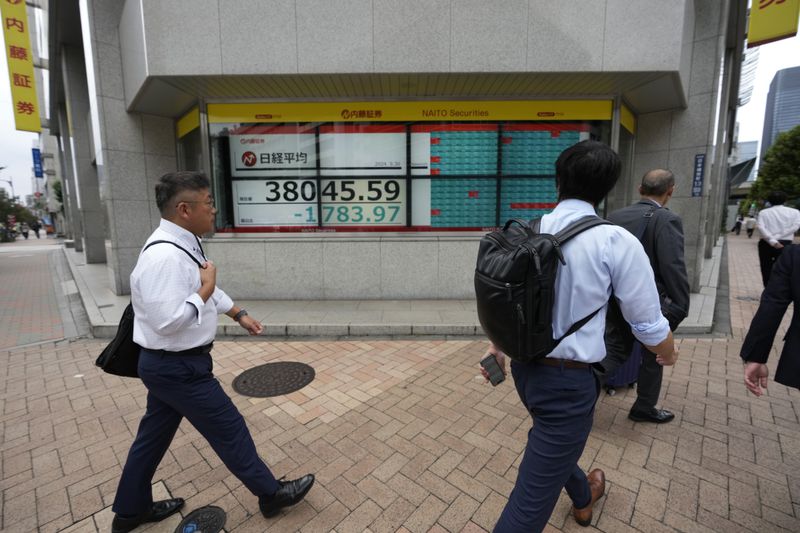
x=404, y=437
x=29, y=312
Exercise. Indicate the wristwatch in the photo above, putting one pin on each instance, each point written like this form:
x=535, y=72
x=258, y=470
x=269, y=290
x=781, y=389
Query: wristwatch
x=240, y=314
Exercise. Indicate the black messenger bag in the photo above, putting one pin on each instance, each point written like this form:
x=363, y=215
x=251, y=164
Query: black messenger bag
x=121, y=356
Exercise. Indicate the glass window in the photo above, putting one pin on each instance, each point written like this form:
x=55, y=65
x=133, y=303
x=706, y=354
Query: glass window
x=328, y=176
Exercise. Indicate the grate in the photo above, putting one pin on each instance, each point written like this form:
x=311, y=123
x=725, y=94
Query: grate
x=273, y=379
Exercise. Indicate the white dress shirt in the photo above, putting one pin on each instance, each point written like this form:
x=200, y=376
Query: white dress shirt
x=169, y=313
x=597, y=260
x=778, y=223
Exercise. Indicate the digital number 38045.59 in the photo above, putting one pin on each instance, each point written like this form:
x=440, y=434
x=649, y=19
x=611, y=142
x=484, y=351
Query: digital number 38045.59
x=333, y=190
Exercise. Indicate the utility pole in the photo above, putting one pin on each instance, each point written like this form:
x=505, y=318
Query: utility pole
x=10, y=182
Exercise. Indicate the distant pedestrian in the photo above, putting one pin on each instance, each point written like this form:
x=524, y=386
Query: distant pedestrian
x=783, y=289
x=777, y=226
x=36, y=226
x=749, y=225
x=737, y=227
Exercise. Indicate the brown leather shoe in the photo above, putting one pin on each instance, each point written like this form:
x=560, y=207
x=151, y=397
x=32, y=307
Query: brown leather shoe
x=597, y=486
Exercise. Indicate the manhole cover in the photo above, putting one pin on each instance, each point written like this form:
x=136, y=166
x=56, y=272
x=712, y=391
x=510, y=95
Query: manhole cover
x=748, y=298
x=209, y=519
x=273, y=379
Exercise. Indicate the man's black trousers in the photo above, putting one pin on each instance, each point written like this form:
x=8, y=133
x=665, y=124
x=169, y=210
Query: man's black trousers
x=767, y=255
x=181, y=386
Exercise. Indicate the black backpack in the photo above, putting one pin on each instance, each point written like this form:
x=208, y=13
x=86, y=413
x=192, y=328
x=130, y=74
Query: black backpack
x=515, y=280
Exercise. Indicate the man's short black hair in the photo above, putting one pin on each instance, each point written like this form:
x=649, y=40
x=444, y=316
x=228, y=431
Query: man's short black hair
x=587, y=171
x=776, y=197
x=173, y=183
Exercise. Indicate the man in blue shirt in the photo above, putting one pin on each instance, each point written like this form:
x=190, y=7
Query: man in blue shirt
x=560, y=391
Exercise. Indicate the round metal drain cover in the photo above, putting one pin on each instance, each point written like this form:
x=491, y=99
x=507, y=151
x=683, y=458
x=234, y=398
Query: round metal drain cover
x=748, y=298
x=273, y=379
x=209, y=519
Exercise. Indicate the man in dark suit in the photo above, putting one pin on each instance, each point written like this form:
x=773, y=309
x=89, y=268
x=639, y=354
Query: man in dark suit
x=782, y=289
x=661, y=233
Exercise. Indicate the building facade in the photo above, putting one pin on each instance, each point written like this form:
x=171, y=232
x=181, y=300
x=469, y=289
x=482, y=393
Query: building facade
x=783, y=106
x=358, y=149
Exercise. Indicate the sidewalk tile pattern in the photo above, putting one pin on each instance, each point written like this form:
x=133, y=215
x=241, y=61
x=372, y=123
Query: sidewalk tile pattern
x=29, y=312
x=404, y=436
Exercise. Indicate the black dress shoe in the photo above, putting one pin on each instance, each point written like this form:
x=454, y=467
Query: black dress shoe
x=289, y=493
x=158, y=511
x=658, y=416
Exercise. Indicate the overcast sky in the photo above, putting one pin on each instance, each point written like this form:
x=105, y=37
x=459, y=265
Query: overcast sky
x=15, y=146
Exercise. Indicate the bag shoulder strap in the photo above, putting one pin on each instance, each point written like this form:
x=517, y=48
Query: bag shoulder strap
x=579, y=226
x=573, y=228
x=176, y=245
x=643, y=226
x=563, y=236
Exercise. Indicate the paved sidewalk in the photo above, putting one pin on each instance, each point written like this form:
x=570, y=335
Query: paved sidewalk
x=404, y=436
x=29, y=312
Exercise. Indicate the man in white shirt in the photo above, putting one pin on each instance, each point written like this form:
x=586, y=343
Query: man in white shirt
x=176, y=303
x=777, y=225
x=560, y=391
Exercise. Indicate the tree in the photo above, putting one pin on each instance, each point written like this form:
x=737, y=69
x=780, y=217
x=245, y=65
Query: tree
x=780, y=169
x=59, y=194
x=7, y=207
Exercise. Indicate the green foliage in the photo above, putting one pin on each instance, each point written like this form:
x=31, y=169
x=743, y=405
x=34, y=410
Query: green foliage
x=780, y=169
x=59, y=192
x=7, y=207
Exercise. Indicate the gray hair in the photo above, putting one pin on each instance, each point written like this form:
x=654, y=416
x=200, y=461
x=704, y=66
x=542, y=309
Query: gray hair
x=657, y=182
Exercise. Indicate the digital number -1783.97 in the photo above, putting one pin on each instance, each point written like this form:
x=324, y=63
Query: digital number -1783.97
x=355, y=214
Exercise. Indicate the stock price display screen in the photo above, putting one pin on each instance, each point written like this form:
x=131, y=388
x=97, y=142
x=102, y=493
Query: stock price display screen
x=274, y=171
x=344, y=202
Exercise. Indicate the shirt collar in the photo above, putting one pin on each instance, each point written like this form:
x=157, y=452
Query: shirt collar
x=573, y=205
x=185, y=236
x=650, y=201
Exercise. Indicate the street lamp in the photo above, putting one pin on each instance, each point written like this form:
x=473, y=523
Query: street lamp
x=10, y=182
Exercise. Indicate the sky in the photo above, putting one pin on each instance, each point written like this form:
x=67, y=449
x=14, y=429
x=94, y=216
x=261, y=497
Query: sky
x=772, y=58
x=15, y=146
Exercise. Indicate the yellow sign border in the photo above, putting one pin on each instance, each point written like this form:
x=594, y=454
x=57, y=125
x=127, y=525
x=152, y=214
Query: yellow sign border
x=17, y=36
x=188, y=122
x=627, y=119
x=417, y=111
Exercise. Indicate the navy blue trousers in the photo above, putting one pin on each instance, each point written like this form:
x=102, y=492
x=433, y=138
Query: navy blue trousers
x=561, y=402
x=177, y=387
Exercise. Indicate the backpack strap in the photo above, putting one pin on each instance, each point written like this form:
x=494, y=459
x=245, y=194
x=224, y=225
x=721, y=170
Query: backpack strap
x=572, y=229
x=579, y=226
x=563, y=236
x=176, y=246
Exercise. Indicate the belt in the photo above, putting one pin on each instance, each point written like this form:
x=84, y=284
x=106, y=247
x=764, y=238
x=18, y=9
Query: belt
x=200, y=350
x=566, y=363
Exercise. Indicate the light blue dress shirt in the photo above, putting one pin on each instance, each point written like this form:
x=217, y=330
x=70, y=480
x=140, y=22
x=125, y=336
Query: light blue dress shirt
x=597, y=260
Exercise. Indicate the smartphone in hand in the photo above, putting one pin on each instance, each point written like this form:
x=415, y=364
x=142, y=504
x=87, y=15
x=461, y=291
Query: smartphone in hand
x=490, y=364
